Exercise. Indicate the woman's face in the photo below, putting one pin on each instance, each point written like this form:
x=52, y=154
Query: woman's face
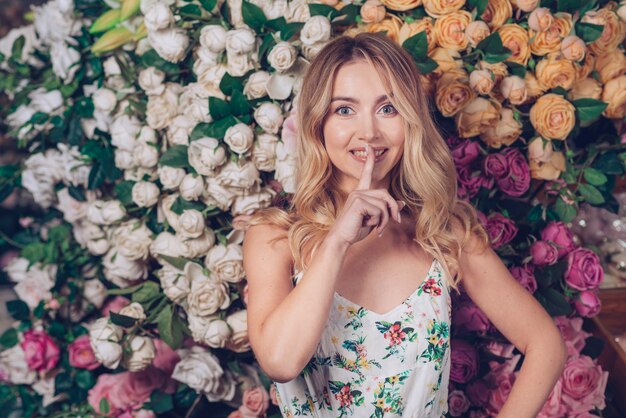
x=360, y=112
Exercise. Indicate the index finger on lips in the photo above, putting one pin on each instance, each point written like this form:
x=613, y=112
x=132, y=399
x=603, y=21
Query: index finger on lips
x=365, y=180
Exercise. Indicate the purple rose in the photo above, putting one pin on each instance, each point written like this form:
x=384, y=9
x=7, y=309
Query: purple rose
x=465, y=153
x=478, y=393
x=559, y=234
x=543, y=253
x=495, y=165
x=464, y=361
x=517, y=180
x=583, y=269
x=458, y=403
x=587, y=304
x=584, y=383
x=525, y=276
x=469, y=318
x=471, y=181
x=501, y=230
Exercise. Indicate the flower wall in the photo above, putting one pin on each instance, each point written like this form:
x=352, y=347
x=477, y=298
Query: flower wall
x=147, y=130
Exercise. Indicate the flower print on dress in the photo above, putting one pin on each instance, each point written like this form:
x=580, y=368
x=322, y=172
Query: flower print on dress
x=388, y=398
x=438, y=334
x=355, y=315
x=357, y=346
x=347, y=397
x=430, y=286
x=396, y=336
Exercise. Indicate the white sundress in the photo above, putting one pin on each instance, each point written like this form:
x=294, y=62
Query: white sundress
x=367, y=364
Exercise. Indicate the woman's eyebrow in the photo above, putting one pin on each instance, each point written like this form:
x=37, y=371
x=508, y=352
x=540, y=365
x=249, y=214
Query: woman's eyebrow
x=353, y=100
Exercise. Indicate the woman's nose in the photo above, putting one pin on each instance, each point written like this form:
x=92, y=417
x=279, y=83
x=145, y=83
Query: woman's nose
x=368, y=127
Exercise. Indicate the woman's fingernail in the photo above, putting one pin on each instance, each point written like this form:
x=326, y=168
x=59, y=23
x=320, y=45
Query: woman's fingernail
x=381, y=233
x=399, y=218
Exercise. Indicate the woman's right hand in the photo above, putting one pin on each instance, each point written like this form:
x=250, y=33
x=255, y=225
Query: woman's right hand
x=365, y=208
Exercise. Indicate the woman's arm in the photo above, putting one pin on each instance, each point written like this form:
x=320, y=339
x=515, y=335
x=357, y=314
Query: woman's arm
x=523, y=321
x=285, y=324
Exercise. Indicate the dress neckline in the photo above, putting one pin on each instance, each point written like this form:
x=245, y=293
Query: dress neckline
x=395, y=308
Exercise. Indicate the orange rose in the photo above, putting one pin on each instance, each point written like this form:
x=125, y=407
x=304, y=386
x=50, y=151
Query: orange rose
x=550, y=40
x=448, y=59
x=587, y=88
x=587, y=66
x=611, y=65
x=615, y=95
x=573, y=48
x=453, y=92
x=540, y=19
x=482, y=81
x=504, y=132
x=550, y=170
x=613, y=32
x=372, y=11
x=514, y=89
x=499, y=69
x=533, y=87
x=391, y=24
x=477, y=116
x=450, y=30
x=552, y=116
x=439, y=8
x=555, y=70
x=525, y=5
x=515, y=38
x=497, y=13
x=401, y=5
x=476, y=31
x=423, y=25
x=540, y=149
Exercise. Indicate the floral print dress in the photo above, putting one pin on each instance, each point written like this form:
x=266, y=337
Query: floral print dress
x=367, y=364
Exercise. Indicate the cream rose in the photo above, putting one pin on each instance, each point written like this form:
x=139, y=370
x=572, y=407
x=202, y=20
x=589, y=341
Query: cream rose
x=453, y=92
x=588, y=88
x=504, y=132
x=207, y=295
x=102, y=212
x=439, y=8
x=239, y=138
x=282, y=56
x=481, y=81
x=264, y=152
x=610, y=65
x=240, y=178
x=163, y=108
x=237, y=321
x=316, y=29
x=105, y=342
x=151, y=80
x=206, y=155
x=133, y=239
x=123, y=271
x=226, y=262
x=191, y=223
x=198, y=247
x=269, y=117
x=141, y=353
x=248, y=204
x=255, y=85
x=550, y=170
x=552, y=116
x=476, y=31
x=191, y=187
x=104, y=100
x=477, y=116
x=145, y=194
x=540, y=19
x=218, y=195
x=171, y=44
x=167, y=244
x=134, y=310
x=210, y=330
x=448, y=59
x=540, y=149
x=573, y=48
x=613, y=32
x=158, y=16
x=174, y=283
x=95, y=292
x=170, y=177
x=213, y=37
x=240, y=41
x=145, y=155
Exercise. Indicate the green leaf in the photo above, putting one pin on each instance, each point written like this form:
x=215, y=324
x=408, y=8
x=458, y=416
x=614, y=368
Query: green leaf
x=494, y=50
x=18, y=46
x=218, y=108
x=191, y=9
x=594, y=177
x=323, y=10
x=609, y=163
x=417, y=46
x=104, y=406
x=96, y=176
x=276, y=24
x=77, y=193
x=591, y=194
x=516, y=69
x=208, y=5
x=152, y=59
x=480, y=5
x=9, y=338
x=290, y=29
x=347, y=15
x=554, y=302
x=253, y=15
x=18, y=309
x=177, y=262
x=427, y=65
x=148, y=292
x=172, y=335
x=85, y=379
x=160, y=402
x=62, y=382
x=239, y=105
x=181, y=204
x=122, y=320
x=588, y=32
x=124, y=191
x=175, y=157
x=569, y=5
x=34, y=252
x=230, y=84
x=589, y=109
x=216, y=129
x=125, y=291
x=565, y=211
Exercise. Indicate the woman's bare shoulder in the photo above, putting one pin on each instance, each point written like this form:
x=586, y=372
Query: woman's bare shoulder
x=266, y=246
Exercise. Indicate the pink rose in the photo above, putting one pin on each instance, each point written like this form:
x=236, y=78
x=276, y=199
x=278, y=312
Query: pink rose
x=7, y=257
x=41, y=353
x=573, y=334
x=465, y=153
x=543, y=253
x=500, y=350
x=525, y=276
x=102, y=389
x=114, y=305
x=553, y=406
x=469, y=318
x=81, y=354
x=501, y=230
x=478, y=393
x=458, y=403
x=495, y=165
x=255, y=402
x=503, y=383
x=517, y=180
x=464, y=361
x=583, y=269
x=273, y=397
x=165, y=358
x=142, y=413
x=587, y=304
x=560, y=235
x=584, y=383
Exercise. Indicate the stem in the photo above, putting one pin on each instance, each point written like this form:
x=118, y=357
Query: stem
x=194, y=405
x=10, y=241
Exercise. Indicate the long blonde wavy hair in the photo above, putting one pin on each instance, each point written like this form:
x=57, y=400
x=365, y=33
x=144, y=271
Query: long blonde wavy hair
x=425, y=177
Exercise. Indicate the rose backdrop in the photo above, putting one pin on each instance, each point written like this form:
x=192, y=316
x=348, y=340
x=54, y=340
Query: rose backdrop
x=148, y=129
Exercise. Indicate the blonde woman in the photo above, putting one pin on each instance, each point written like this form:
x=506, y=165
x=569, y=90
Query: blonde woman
x=349, y=289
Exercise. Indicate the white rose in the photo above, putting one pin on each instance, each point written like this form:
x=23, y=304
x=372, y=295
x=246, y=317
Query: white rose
x=174, y=283
x=191, y=187
x=151, y=80
x=95, y=292
x=210, y=77
x=142, y=352
x=316, y=29
x=133, y=310
x=159, y=16
x=269, y=116
x=282, y=56
x=297, y=11
x=30, y=43
x=621, y=12
x=170, y=177
x=205, y=155
x=123, y=271
x=207, y=295
x=124, y=130
x=197, y=247
x=17, y=269
x=133, y=239
x=73, y=210
x=279, y=86
x=179, y=129
x=213, y=37
x=191, y=223
x=168, y=244
x=65, y=60
x=241, y=179
x=285, y=168
x=102, y=212
x=124, y=159
x=171, y=44
x=111, y=67
x=248, y=204
x=104, y=100
x=255, y=85
x=45, y=387
x=104, y=338
x=218, y=195
x=240, y=41
x=141, y=174
x=163, y=108
x=226, y=262
x=146, y=5
x=165, y=209
x=94, y=238
x=238, y=322
x=200, y=370
x=239, y=64
x=13, y=367
x=211, y=330
x=145, y=194
x=239, y=138
x=264, y=152
x=145, y=155
x=194, y=103
x=33, y=283
x=45, y=101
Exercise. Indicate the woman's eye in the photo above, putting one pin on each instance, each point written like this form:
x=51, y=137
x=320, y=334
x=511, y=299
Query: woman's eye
x=338, y=110
x=393, y=109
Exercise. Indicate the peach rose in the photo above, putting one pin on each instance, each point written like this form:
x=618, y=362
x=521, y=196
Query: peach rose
x=256, y=401
x=525, y=5
x=504, y=132
x=477, y=116
x=611, y=65
x=613, y=32
x=615, y=95
x=514, y=89
x=448, y=59
x=497, y=13
x=401, y=5
x=540, y=19
x=516, y=39
x=587, y=88
x=453, y=92
x=450, y=30
x=372, y=11
x=587, y=66
x=573, y=48
x=391, y=24
x=554, y=70
x=540, y=149
x=550, y=39
x=499, y=69
x=533, y=87
x=423, y=25
x=439, y=8
x=552, y=116
x=482, y=81
x=550, y=170
x=476, y=31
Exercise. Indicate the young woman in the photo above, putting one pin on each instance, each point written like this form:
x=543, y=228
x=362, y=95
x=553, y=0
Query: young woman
x=375, y=218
